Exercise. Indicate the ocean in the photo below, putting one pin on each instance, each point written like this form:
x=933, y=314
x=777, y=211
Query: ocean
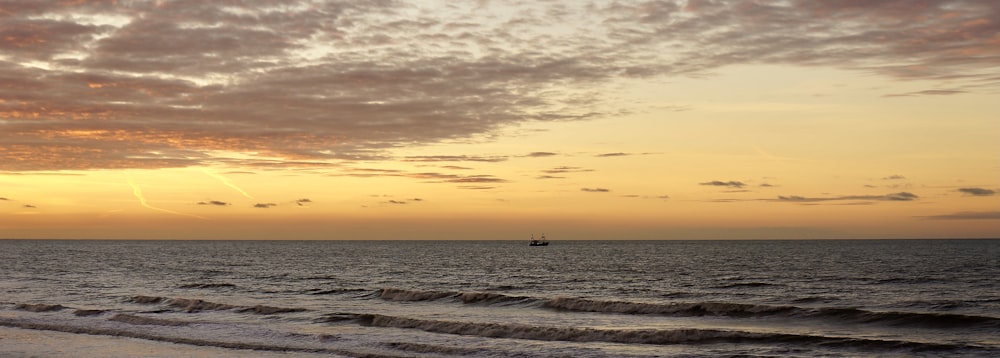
x=904, y=298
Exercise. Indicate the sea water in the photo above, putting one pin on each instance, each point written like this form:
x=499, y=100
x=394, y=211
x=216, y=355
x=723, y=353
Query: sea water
x=506, y=299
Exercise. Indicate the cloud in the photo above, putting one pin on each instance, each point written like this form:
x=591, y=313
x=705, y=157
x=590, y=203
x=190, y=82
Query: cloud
x=566, y=169
x=214, y=203
x=541, y=154
x=900, y=196
x=977, y=191
x=118, y=85
x=4, y=199
x=595, y=190
x=265, y=205
x=29, y=206
x=731, y=183
x=617, y=154
x=453, y=158
x=403, y=202
x=303, y=202
x=894, y=177
x=967, y=215
x=926, y=93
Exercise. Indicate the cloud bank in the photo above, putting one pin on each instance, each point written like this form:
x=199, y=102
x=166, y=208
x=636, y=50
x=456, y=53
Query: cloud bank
x=107, y=85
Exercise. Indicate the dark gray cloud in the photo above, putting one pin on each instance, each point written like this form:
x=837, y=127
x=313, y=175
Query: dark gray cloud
x=110, y=84
x=214, y=203
x=977, y=191
x=967, y=215
x=541, y=154
x=731, y=183
x=265, y=205
x=900, y=196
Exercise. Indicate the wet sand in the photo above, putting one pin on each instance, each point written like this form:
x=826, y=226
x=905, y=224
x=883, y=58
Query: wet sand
x=23, y=343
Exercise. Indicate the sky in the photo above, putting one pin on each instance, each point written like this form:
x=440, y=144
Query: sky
x=602, y=120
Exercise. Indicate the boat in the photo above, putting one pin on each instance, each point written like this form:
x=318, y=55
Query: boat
x=538, y=242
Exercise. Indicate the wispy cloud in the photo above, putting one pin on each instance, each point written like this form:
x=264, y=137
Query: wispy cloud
x=225, y=181
x=265, y=205
x=137, y=192
x=454, y=158
x=937, y=92
x=967, y=215
x=311, y=82
x=900, y=196
x=595, y=190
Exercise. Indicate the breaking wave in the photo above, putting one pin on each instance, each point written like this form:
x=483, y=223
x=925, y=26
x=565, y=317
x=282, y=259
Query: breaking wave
x=197, y=305
x=689, y=309
x=40, y=307
x=632, y=336
x=208, y=285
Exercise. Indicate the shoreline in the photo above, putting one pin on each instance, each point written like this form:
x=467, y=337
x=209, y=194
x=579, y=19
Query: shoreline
x=40, y=343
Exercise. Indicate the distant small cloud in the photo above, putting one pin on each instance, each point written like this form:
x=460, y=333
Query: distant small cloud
x=731, y=183
x=540, y=154
x=900, y=196
x=595, y=190
x=303, y=202
x=766, y=185
x=617, y=154
x=549, y=177
x=265, y=205
x=967, y=215
x=566, y=169
x=454, y=158
x=403, y=201
x=214, y=202
x=894, y=177
x=4, y=199
x=977, y=191
x=29, y=206
x=926, y=93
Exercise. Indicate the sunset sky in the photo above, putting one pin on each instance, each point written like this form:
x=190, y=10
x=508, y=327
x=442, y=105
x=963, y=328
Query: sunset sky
x=388, y=119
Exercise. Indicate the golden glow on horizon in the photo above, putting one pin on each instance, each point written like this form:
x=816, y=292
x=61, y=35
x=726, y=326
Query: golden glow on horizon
x=632, y=129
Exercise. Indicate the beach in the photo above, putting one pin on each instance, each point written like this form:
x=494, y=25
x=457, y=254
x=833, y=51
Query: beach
x=25, y=343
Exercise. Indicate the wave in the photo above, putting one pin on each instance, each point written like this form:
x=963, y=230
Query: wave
x=400, y=294
x=150, y=321
x=40, y=307
x=85, y=313
x=197, y=305
x=634, y=336
x=721, y=309
x=208, y=285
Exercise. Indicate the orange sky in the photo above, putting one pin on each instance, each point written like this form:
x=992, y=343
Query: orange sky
x=495, y=120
